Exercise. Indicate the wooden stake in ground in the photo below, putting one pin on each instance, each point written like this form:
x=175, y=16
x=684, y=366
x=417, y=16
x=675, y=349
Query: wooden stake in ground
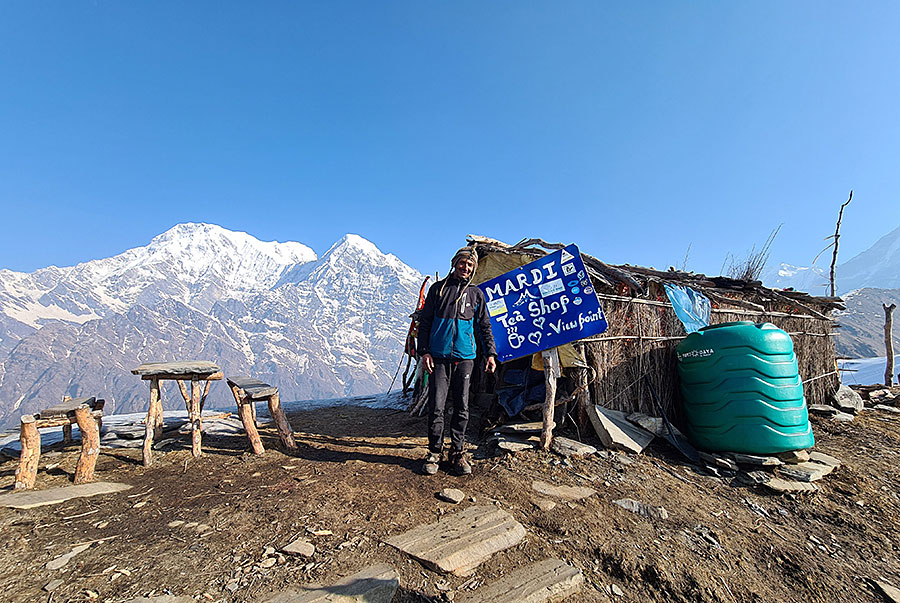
x=551, y=373
x=26, y=474
x=889, y=343
x=90, y=444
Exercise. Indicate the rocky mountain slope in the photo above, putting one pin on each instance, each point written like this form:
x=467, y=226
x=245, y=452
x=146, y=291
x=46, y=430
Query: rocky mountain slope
x=865, y=282
x=317, y=327
x=862, y=324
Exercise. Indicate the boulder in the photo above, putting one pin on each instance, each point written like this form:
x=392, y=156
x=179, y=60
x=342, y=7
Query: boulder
x=847, y=400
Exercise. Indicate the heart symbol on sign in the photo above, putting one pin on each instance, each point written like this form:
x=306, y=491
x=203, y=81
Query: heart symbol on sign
x=539, y=322
x=535, y=338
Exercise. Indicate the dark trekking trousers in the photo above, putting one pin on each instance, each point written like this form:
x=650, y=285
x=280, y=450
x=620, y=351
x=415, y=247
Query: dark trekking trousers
x=450, y=379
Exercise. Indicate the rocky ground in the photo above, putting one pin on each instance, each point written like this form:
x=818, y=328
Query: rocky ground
x=214, y=528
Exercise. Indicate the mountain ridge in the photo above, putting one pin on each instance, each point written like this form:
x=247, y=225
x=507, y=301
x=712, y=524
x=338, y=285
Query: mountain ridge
x=317, y=327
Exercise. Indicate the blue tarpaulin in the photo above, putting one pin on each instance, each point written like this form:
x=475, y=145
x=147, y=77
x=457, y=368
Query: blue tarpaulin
x=691, y=307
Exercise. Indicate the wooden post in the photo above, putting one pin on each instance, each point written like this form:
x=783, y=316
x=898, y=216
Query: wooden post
x=67, y=428
x=150, y=424
x=30, y=437
x=67, y=433
x=205, y=393
x=194, y=415
x=90, y=444
x=551, y=372
x=246, y=413
x=156, y=403
x=281, y=422
x=889, y=343
x=582, y=398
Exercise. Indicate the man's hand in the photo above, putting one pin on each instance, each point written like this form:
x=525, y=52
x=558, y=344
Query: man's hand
x=428, y=363
x=491, y=365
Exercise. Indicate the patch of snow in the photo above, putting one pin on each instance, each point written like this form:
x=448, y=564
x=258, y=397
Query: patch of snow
x=865, y=371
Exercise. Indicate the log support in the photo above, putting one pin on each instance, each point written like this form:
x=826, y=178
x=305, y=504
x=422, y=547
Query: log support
x=194, y=416
x=551, y=373
x=245, y=410
x=281, y=422
x=30, y=437
x=153, y=424
x=90, y=444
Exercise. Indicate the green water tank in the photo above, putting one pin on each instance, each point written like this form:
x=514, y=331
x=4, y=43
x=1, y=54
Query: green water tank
x=742, y=390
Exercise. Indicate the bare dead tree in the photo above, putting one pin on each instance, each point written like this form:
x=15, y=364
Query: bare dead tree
x=837, y=236
x=889, y=343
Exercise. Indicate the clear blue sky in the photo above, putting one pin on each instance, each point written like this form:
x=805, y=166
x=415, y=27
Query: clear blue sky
x=632, y=129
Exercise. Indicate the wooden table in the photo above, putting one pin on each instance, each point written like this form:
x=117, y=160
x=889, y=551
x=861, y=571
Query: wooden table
x=195, y=371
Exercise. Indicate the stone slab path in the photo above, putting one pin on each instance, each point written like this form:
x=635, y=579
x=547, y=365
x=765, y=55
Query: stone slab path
x=460, y=542
x=38, y=498
x=546, y=581
x=374, y=584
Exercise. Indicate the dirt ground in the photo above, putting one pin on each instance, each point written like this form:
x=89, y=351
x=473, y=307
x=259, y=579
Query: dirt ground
x=355, y=481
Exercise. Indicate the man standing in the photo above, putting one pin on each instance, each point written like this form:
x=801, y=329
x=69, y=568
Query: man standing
x=454, y=310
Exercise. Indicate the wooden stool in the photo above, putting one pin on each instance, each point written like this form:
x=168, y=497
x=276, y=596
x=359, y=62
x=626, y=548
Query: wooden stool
x=248, y=390
x=86, y=412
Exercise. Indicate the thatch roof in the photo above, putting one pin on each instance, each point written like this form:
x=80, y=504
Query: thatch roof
x=634, y=281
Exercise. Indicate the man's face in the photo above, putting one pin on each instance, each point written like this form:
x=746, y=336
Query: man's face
x=464, y=268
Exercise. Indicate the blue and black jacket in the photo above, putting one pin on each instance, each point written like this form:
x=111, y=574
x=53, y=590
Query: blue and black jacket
x=454, y=310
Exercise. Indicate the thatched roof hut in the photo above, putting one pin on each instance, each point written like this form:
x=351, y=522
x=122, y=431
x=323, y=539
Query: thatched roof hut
x=644, y=330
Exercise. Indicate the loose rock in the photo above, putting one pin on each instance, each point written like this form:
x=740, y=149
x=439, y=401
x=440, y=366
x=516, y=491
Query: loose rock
x=641, y=509
x=451, y=495
x=62, y=560
x=566, y=447
x=301, y=547
x=564, y=492
x=848, y=400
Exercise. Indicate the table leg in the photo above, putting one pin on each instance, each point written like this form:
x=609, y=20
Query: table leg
x=281, y=422
x=90, y=445
x=245, y=411
x=26, y=474
x=150, y=426
x=194, y=413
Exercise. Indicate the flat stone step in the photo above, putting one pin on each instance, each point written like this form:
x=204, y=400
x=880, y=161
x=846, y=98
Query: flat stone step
x=38, y=498
x=616, y=432
x=564, y=492
x=460, y=542
x=374, y=584
x=546, y=581
x=805, y=472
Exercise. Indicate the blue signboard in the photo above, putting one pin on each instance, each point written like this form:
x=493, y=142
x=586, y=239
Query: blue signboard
x=541, y=305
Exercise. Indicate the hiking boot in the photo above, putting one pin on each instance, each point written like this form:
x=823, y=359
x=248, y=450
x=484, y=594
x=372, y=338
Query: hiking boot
x=430, y=466
x=459, y=464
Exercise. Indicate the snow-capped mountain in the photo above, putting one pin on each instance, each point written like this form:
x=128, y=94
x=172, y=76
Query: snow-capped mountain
x=810, y=279
x=862, y=323
x=316, y=327
x=877, y=267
